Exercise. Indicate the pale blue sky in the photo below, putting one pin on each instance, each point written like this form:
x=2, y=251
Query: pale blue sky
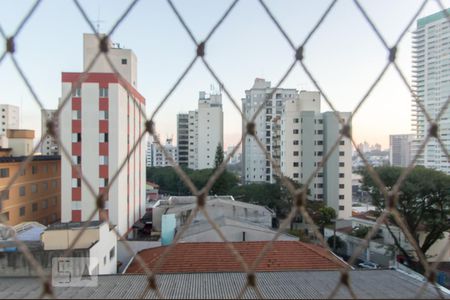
x=344, y=55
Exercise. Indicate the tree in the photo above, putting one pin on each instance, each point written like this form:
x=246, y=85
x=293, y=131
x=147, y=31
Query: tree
x=219, y=156
x=226, y=180
x=336, y=243
x=423, y=202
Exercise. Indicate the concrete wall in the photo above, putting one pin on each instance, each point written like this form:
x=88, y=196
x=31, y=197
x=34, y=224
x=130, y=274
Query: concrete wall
x=102, y=250
x=15, y=264
x=235, y=233
x=61, y=239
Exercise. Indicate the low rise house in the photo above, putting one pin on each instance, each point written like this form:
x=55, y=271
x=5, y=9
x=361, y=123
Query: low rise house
x=238, y=221
x=217, y=257
x=98, y=245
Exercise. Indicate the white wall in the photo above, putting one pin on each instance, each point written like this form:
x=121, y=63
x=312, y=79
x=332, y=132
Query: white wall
x=65, y=132
x=102, y=248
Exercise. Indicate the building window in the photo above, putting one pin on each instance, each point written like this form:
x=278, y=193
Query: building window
x=22, y=191
x=341, y=153
x=34, y=169
x=112, y=253
x=45, y=186
x=295, y=175
x=54, y=184
x=295, y=131
x=76, y=137
x=103, y=160
x=22, y=172
x=102, y=182
x=22, y=211
x=76, y=114
x=341, y=197
x=103, y=137
x=5, y=216
x=4, y=195
x=104, y=260
x=341, y=207
x=319, y=143
x=45, y=169
x=53, y=201
x=104, y=115
x=319, y=131
x=76, y=159
x=342, y=142
x=34, y=188
x=295, y=142
x=103, y=92
x=319, y=196
x=319, y=175
x=341, y=164
x=76, y=182
x=76, y=92
x=295, y=153
x=341, y=186
x=341, y=175
x=45, y=204
x=4, y=172
x=295, y=164
x=124, y=61
x=296, y=120
x=34, y=207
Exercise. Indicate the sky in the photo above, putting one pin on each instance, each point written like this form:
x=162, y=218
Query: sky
x=344, y=55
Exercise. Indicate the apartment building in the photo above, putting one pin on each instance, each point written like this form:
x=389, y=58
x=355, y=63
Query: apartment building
x=400, y=149
x=10, y=117
x=36, y=193
x=307, y=135
x=183, y=139
x=157, y=158
x=99, y=125
x=256, y=166
x=200, y=132
x=431, y=82
x=49, y=145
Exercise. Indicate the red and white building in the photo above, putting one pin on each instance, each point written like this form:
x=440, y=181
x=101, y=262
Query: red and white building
x=99, y=126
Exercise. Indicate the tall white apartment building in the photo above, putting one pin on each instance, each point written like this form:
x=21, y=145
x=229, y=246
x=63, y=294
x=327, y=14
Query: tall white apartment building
x=157, y=158
x=307, y=135
x=400, y=149
x=10, y=118
x=49, y=145
x=431, y=81
x=99, y=126
x=200, y=132
x=256, y=166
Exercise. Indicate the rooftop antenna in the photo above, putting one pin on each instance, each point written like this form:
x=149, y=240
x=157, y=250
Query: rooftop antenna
x=98, y=21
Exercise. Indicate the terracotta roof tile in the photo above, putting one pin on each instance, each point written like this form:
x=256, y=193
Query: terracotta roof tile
x=216, y=257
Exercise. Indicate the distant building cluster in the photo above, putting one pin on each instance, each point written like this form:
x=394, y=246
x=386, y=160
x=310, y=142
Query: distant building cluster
x=156, y=157
x=292, y=128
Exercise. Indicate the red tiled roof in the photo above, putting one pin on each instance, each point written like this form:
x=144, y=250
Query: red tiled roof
x=216, y=257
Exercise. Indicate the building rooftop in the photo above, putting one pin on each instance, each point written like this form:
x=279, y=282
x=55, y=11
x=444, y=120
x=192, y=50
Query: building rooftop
x=10, y=159
x=216, y=257
x=368, y=284
x=74, y=225
x=432, y=18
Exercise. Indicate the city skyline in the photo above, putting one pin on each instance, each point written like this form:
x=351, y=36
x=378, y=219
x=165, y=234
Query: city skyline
x=161, y=63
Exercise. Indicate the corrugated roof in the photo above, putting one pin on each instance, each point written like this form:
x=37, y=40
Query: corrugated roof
x=370, y=284
x=216, y=257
